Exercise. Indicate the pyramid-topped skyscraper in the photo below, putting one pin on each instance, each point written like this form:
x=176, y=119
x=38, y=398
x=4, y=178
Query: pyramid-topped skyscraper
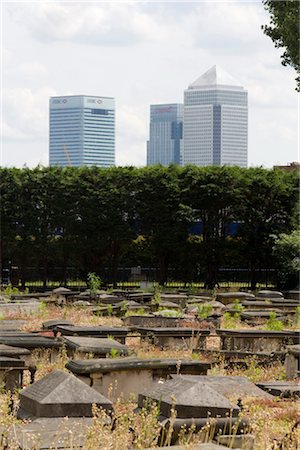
x=215, y=123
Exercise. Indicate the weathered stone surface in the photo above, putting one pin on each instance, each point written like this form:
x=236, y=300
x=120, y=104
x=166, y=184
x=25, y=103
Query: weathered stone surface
x=8, y=350
x=54, y=323
x=11, y=370
x=6, y=361
x=284, y=389
x=243, y=441
x=230, y=297
x=152, y=321
x=269, y=294
x=99, y=331
x=60, y=394
x=230, y=387
x=256, y=340
x=49, y=433
x=61, y=291
x=96, y=346
x=22, y=307
x=292, y=362
x=173, y=337
x=190, y=399
x=11, y=325
x=167, y=366
x=30, y=342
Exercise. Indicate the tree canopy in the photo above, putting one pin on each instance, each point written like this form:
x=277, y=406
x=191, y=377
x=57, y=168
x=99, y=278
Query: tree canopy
x=284, y=31
x=189, y=221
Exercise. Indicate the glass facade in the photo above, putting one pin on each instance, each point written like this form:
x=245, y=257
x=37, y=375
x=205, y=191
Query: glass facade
x=82, y=131
x=215, y=121
x=165, y=137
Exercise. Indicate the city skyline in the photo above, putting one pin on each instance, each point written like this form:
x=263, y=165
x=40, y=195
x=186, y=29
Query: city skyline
x=57, y=48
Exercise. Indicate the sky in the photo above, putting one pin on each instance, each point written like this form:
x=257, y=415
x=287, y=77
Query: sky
x=140, y=53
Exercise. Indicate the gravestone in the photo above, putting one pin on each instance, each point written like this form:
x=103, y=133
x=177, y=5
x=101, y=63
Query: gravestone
x=208, y=446
x=130, y=375
x=228, y=386
x=15, y=352
x=11, y=372
x=118, y=333
x=60, y=394
x=284, y=389
x=292, y=362
x=61, y=291
x=96, y=346
x=11, y=325
x=230, y=297
x=182, y=337
x=190, y=400
x=54, y=323
x=269, y=294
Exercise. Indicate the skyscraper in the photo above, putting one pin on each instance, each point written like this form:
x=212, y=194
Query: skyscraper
x=165, y=139
x=82, y=131
x=215, y=130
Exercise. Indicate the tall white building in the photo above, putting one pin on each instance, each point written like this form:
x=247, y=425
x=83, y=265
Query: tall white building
x=215, y=122
x=82, y=131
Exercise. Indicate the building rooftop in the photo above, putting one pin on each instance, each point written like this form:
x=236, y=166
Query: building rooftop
x=215, y=76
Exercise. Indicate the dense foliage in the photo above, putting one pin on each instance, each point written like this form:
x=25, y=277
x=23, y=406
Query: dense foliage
x=284, y=31
x=100, y=219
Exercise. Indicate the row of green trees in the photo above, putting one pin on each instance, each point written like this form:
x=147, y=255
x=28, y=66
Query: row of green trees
x=94, y=218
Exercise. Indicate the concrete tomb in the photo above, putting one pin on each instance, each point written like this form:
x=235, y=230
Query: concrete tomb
x=284, y=389
x=233, y=388
x=257, y=340
x=179, y=337
x=129, y=376
x=230, y=297
x=11, y=372
x=101, y=347
x=118, y=333
x=269, y=294
x=189, y=398
x=60, y=394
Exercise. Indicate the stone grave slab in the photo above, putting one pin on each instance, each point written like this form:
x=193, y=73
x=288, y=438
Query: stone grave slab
x=30, y=341
x=108, y=299
x=257, y=340
x=20, y=307
x=54, y=323
x=61, y=291
x=60, y=394
x=228, y=386
x=285, y=389
x=118, y=333
x=11, y=325
x=50, y=433
x=174, y=336
x=131, y=305
x=230, y=297
x=269, y=294
x=190, y=399
x=15, y=352
x=130, y=375
x=153, y=321
x=11, y=372
x=96, y=346
x=141, y=297
x=292, y=362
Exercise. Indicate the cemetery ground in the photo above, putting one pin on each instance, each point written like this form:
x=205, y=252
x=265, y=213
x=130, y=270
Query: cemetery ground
x=173, y=338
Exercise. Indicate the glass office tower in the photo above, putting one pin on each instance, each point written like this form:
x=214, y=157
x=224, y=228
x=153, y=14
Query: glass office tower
x=82, y=131
x=165, y=139
x=215, y=130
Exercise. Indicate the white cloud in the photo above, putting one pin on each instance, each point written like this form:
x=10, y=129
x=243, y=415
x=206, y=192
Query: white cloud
x=25, y=113
x=90, y=23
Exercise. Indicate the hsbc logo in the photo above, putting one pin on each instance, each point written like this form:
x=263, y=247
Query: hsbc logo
x=57, y=101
